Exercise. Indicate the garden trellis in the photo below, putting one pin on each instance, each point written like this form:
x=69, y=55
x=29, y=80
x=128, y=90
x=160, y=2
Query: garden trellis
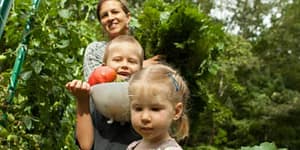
x=5, y=6
x=22, y=48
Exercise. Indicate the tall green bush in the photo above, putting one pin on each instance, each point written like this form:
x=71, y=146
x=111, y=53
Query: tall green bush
x=42, y=113
x=234, y=101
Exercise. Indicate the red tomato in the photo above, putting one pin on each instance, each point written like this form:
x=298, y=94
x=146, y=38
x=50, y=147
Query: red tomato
x=102, y=74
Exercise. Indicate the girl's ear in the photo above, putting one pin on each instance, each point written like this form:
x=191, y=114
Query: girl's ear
x=178, y=111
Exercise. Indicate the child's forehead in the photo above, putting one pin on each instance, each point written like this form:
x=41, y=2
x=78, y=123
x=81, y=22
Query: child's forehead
x=126, y=46
x=150, y=93
x=123, y=45
x=151, y=100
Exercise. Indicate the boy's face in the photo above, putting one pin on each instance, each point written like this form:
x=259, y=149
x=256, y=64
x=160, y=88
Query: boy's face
x=124, y=58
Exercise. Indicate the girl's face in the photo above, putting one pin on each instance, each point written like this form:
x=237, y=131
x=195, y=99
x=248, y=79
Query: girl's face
x=152, y=118
x=113, y=18
x=124, y=57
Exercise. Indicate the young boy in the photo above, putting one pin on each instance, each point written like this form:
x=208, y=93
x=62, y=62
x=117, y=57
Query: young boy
x=125, y=55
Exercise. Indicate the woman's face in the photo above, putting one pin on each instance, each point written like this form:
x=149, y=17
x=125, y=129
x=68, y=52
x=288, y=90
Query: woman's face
x=113, y=18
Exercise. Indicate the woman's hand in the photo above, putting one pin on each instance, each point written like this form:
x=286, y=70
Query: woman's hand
x=153, y=60
x=79, y=89
x=84, y=125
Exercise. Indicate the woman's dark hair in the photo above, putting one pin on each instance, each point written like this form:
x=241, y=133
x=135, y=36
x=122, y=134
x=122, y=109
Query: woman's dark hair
x=122, y=2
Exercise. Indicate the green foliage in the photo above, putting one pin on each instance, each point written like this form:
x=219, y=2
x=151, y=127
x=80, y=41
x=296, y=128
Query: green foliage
x=279, y=52
x=242, y=93
x=191, y=41
x=262, y=146
x=233, y=95
x=42, y=113
x=249, y=18
x=178, y=30
x=279, y=46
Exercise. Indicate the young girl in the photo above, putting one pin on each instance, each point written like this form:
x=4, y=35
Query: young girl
x=125, y=55
x=158, y=96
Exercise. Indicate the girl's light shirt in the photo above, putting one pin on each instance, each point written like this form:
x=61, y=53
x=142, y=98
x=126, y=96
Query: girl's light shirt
x=170, y=144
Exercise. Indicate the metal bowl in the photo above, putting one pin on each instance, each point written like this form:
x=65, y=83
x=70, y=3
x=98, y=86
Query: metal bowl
x=112, y=101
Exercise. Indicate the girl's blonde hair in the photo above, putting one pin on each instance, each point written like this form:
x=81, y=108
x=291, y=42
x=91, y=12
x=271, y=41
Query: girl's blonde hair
x=164, y=83
x=124, y=39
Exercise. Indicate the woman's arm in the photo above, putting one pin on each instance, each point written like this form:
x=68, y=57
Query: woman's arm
x=84, y=125
x=93, y=57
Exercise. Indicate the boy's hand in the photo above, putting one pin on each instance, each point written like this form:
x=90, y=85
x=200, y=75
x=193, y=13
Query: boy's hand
x=79, y=89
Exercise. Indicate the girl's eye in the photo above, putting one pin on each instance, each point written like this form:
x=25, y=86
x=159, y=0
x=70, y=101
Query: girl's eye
x=155, y=109
x=137, y=109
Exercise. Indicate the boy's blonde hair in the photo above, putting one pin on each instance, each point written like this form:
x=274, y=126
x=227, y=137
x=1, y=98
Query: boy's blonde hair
x=124, y=39
x=164, y=83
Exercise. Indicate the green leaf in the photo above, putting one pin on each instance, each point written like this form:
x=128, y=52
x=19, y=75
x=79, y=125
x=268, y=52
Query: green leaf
x=63, y=43
x=64, y=13
x=179, y=45
x=164, y=16
x=213, y=69
x=37, y=66
x=26, y=75
x=3, y=131
x=262, y=146
x=28, y=122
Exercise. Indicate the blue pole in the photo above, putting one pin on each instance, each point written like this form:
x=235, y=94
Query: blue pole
x=5, y=6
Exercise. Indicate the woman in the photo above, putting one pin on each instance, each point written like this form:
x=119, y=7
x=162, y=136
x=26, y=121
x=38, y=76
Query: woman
x=92, y=131
x=114, y=16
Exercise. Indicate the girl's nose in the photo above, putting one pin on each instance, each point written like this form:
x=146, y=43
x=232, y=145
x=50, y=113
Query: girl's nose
x=145, y=117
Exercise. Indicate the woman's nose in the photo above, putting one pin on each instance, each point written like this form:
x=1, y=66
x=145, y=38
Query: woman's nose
x=110, y=16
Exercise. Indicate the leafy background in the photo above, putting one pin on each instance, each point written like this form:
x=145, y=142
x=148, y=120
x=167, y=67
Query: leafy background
x=244, y=85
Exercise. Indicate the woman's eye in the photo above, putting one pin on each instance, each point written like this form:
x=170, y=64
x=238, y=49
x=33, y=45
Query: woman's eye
x=103, y=15
x=115, y=11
